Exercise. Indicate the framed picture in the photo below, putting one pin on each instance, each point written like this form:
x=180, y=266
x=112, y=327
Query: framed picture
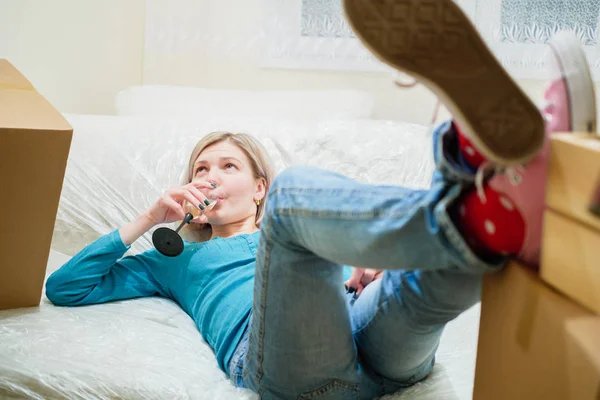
x=313, y=34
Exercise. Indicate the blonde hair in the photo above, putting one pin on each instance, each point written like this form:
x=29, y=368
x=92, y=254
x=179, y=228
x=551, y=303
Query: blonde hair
x=261, y=164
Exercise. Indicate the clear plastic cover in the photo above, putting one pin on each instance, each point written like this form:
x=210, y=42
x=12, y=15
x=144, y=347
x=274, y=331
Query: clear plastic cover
x=137, y=349
x=118, y=166
x=149, y=348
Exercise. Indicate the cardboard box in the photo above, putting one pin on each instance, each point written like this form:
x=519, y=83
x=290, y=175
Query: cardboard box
x=583, y=355
x=525, y=349
x=571, y=259
x=34, y=146
x=573, y=176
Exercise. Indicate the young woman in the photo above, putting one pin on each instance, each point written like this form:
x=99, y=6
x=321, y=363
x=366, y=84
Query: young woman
x=266, y=290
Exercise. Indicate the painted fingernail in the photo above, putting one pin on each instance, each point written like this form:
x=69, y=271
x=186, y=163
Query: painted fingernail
x=351, y=290
x=214, y=185
x=201, y=207
x=207, y=202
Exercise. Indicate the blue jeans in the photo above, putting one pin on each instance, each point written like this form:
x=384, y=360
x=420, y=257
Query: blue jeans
x=308, y=339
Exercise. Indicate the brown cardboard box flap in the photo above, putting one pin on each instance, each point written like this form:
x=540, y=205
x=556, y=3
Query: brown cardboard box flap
x=584, y=355
x=571, y=259
x=522, y=350
x=573, y=175
x=11, y=78
x=34, y=145
x=18, y=100
x=586, y=334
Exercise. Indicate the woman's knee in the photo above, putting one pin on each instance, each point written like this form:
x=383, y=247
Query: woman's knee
x=293, y=177
x=287, y=195
x=289, y=178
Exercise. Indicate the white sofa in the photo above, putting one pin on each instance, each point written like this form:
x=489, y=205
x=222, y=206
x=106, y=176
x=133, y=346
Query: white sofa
x=118, y=165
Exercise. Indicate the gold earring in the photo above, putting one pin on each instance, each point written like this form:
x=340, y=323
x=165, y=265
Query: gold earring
x=257, y=201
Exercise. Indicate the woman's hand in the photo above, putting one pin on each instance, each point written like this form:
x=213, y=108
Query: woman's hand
x=170, y=206
x=361, y=277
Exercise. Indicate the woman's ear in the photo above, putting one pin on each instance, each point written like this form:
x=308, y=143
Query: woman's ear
x=261, y=189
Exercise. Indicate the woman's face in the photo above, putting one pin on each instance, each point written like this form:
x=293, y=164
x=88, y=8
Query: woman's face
x=226, y=165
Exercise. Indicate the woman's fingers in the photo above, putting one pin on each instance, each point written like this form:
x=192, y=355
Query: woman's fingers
x=202, y=185
x=355, y=279
x=205, y=201
x=369, y=276
x=197, y=200
x=354, y=285
x=198, y=203
x=359, y=291
x=173, y=205
x=198, y=195
x=183, y=195
x=360, y=278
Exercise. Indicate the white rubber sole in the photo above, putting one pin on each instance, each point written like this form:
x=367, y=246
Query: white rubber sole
x=435, y=42
x=575, y=70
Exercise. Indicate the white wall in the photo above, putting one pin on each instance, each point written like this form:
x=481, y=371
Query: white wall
x=80, y=53
x=77, y=53
x=204, y=43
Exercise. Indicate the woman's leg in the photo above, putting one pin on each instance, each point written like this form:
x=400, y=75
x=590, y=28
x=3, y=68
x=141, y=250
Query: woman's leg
x=300, y=340
x=398, y=320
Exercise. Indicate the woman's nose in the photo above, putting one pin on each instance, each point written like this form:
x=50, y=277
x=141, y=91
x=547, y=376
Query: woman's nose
x=213, y=178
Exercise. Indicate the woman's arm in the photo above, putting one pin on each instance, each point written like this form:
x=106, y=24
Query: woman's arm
x=135, y=229
x=98, y=273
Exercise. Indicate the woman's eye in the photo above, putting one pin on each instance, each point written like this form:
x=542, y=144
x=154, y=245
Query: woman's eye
x=200, y=169
x=228, y=166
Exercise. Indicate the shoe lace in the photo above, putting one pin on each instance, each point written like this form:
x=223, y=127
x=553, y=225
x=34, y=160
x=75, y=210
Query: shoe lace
x=404, y=85
x=513, y=173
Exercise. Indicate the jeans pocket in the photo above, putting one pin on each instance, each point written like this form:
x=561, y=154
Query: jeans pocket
x=333, y=390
